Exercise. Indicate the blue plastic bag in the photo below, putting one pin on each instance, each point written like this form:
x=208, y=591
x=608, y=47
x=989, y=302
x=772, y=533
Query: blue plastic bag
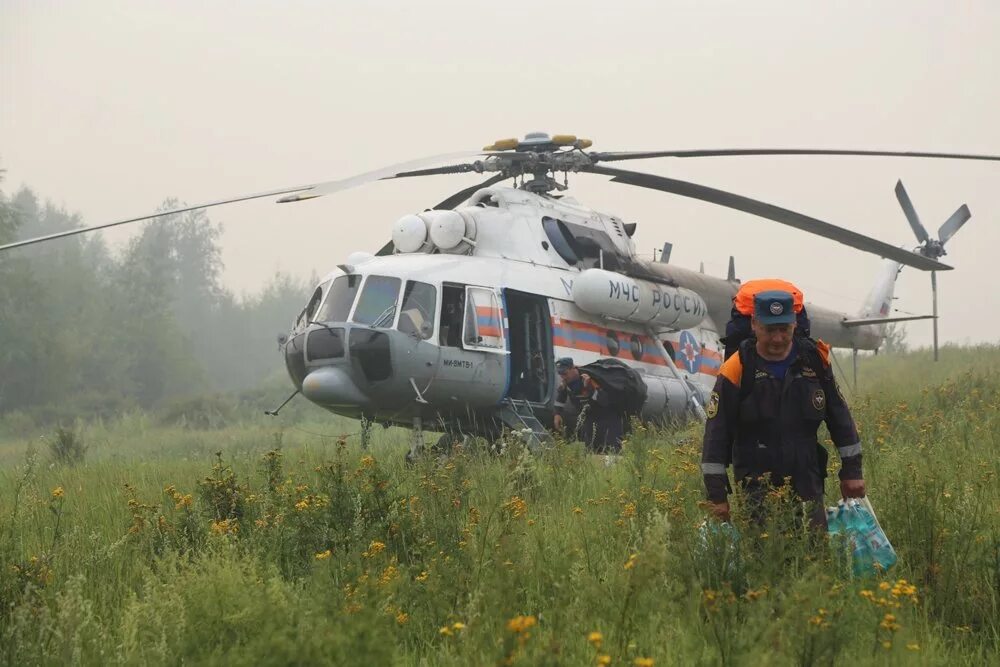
x=719, y=545
x=871, y=550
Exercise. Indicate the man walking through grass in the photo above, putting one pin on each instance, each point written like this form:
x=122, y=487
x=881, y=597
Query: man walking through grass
x=763, y=415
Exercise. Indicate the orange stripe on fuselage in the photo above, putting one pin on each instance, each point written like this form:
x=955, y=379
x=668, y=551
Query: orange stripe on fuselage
x=589, y=337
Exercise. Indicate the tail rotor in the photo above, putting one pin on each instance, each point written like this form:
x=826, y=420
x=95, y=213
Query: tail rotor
x=930, y=247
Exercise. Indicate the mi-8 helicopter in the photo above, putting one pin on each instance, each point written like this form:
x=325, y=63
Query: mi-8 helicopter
x=456, y=323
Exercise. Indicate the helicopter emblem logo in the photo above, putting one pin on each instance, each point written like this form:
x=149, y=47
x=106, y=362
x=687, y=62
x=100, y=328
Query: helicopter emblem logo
x=690, y=352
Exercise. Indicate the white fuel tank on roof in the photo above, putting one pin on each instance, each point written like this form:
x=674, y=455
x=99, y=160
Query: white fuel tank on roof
x=610, y=294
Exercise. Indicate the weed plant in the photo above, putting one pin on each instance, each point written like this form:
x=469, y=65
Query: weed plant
x=251, y=544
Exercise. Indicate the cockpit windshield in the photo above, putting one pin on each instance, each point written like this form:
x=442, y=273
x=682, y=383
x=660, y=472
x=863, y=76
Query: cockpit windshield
x=339, y=299
x=377, y=305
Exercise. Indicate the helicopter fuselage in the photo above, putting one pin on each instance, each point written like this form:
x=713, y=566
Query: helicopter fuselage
x=452, y=336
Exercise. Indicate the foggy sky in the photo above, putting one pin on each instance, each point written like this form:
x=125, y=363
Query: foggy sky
x=108, y=108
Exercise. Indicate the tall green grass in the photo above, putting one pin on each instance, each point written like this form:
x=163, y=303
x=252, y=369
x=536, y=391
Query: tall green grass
x=246, y=541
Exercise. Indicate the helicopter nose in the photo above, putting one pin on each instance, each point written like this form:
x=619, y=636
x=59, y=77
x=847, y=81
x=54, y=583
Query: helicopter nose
x=332, y=385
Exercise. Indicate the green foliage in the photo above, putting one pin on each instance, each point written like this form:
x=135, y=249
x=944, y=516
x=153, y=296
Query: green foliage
x=67, y=447
x=85, y=332
x=293, y=547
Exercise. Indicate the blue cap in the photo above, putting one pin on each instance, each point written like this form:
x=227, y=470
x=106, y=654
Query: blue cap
x=564, y=364
x=774, y=307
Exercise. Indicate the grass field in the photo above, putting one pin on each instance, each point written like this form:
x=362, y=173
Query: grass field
x=247, y=541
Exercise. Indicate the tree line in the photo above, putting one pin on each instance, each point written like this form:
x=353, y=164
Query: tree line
x=87, y=330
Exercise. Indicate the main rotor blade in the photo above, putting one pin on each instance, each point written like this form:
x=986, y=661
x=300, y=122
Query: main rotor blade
x=435, y=171
x=772, y=212
x=910, y=212
x=385, y=173
x=84, y=230
x=460, y=196
x=954, y=223
x=740, y=152
x=302, y=192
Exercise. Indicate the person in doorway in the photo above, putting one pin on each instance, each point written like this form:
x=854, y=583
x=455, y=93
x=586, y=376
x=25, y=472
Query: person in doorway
x=768, y=402
x=569, y=398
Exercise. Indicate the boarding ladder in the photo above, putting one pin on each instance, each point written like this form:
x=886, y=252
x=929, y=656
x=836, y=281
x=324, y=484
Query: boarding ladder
x=519, y=416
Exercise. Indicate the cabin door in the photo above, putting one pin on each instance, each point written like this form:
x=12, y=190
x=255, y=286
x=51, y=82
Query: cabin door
x=531, y=370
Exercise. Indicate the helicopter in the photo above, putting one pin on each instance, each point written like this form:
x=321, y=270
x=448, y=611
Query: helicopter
x=455, y=324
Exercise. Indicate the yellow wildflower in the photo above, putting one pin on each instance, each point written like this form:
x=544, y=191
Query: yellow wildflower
x=58, y=492
x=323, y=555
x=458, y=626
x=632, y=560
x=374, y=549
x=913, y=646
x=445, y=630
x=643, y=662
x=388, y=574
x=578, y=510
x=367, y=461
x=225, y=526
x=302, y=505
x=596, y=639
x=422, y=576
x=520, y=624
x=603, y=660
x=402, y=618
x=884, y=586
x=516, y=507
x=628, y=511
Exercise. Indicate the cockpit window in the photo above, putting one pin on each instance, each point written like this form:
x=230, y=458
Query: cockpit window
x=377, y=305
x=310, y=310
x=339, y=299
x=578, y=244
x=417, y=314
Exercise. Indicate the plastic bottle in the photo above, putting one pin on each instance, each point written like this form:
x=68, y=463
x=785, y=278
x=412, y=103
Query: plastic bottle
x=862, y=556
x=875, y=538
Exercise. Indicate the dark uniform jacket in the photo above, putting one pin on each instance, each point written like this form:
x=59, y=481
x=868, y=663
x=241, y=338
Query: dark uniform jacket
x=570, y=398
x=769, y=429
x=604, y=425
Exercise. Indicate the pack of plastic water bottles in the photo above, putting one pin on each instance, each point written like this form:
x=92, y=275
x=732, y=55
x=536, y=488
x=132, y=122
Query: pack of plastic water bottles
x=855, y=519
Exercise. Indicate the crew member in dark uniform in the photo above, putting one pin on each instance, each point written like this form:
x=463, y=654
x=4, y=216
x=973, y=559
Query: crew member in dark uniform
x=763, y=415
x=569, y=398
x=603, y=418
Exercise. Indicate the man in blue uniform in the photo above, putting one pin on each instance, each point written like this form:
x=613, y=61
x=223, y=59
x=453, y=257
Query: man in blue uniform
x=763, y=415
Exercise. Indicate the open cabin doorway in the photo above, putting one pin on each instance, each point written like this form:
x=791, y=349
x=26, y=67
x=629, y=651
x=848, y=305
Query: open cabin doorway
x=531, y=363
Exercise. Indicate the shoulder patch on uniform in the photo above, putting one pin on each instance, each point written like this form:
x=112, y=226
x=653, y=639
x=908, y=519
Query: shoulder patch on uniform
x=732, y=369
x=819, y=399
x=808, y=372
x=712, y=408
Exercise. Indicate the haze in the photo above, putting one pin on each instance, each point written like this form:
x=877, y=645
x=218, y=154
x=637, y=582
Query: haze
x=110, y=107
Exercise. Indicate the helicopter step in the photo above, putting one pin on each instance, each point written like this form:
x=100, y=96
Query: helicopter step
x=518, y=415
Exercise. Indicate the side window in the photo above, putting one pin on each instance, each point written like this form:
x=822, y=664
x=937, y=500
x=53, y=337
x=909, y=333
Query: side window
x=483, y=324
x=377, y=304
x=307, y=313
x=416, y=317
